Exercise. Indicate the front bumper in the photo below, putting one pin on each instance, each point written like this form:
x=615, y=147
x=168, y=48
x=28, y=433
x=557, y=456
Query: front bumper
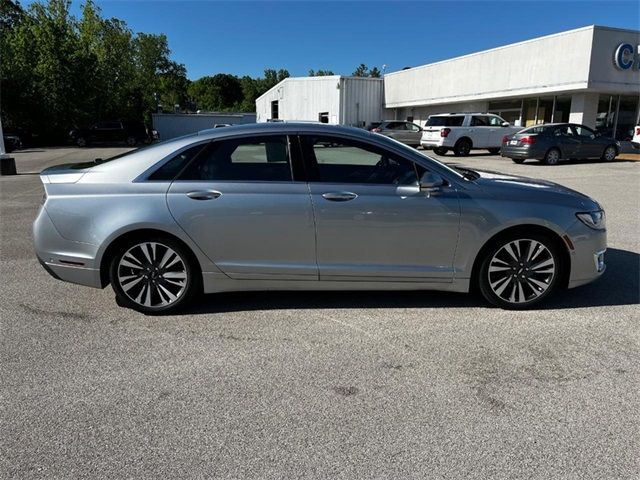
x=64, y=259
x=588, y=255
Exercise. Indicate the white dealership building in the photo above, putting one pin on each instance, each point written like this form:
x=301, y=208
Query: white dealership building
x=589, y=75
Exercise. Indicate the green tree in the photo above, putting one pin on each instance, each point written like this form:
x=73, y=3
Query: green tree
x=375, y=73
x=57, y=70
x=221, y=92
x=363, y=71
x=320, y=73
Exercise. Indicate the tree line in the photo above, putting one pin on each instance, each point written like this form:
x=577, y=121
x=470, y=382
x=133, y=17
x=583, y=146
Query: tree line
x=59, y=71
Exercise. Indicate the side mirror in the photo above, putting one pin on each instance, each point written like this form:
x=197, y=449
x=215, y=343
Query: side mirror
x=505, y=124
x=431, y=182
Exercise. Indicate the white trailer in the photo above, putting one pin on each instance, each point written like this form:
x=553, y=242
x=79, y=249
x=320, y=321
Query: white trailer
x=333, y=99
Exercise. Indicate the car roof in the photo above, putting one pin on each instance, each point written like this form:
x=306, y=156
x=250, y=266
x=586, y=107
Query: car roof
x=279, y=127
x=457, y=114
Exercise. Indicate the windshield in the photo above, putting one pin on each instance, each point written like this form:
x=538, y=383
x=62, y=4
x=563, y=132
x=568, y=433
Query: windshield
x=448, y=121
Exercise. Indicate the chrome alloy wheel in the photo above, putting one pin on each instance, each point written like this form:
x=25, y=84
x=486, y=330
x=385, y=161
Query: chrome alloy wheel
x=610, y=154
x=152, y=275
x=553, y=157
x=521, y=271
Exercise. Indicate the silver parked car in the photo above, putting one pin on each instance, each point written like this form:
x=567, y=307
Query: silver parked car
x=309, y=207
x=406, y=132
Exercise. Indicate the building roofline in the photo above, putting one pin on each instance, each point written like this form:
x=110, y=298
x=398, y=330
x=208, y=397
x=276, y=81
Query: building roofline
x=523, y=42
x=317, y=79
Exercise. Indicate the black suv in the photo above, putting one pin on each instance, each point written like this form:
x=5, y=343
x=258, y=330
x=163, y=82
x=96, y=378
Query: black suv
x=130, y=133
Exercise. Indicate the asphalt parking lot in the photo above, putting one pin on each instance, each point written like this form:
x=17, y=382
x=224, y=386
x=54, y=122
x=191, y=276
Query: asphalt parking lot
x=322, y=385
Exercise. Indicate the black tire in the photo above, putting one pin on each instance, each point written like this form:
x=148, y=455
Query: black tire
x=81, y=142
x=462, y=147
x=131, y=141
x=518, y=160
x=494, y=151
x=610, y=153
x=552, y=157
x=522, y=291
x=440, y=151
x=148, y=287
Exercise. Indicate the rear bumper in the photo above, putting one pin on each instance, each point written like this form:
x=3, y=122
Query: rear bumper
x=430, y=144
x=64, y=259
x=521, y=152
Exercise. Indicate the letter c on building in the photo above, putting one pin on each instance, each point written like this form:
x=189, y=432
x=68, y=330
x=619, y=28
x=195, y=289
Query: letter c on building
x=623, y=57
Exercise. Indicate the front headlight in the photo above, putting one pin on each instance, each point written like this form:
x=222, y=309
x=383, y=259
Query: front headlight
x=595, y=220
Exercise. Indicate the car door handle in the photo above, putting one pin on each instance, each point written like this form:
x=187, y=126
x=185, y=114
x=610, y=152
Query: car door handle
x=204, y=195
x=339, y=196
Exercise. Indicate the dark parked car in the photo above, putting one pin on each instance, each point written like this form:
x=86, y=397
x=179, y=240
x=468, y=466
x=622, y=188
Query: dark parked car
x=11, y=142
x=553, y=142
x=130, y=133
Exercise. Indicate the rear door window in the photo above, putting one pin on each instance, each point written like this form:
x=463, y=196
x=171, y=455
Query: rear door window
x=396, y=126
x=259, y=159
x=479, y=121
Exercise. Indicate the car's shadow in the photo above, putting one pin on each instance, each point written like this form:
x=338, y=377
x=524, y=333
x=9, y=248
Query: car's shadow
x=620, y=285
x=566, y=163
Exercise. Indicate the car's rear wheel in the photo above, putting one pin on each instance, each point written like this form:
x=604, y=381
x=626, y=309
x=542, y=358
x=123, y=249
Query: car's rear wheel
x=494, y=151
x=153, y=276
x=609, y=153
x=520, y=271
x=552, y=157
x=81, y=142
x=131, y=141
x=462, y=147
x=518, y=160
x=440, y=150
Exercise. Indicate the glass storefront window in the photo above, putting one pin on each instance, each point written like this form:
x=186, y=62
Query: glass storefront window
x=545, y=110
x=606, y=114
x=627, y=117
x=530, y=108
x=617, y=115
x=563, y=109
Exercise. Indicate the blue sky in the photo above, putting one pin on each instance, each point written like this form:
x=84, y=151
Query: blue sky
x=245, y=37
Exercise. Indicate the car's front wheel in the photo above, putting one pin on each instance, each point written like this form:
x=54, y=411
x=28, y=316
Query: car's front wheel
x=153, y=276
x=520, y=271
x=81, y=142
x=131, y=141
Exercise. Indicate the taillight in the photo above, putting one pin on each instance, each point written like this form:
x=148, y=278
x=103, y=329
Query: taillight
x=377, y=130
x=444, y=132
x=505, y=139
x=528, y=140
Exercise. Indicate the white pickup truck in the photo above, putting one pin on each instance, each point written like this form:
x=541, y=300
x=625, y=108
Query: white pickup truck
x=463, y=132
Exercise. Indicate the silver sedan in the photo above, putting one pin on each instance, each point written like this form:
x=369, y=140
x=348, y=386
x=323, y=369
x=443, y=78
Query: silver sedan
x=309, y=207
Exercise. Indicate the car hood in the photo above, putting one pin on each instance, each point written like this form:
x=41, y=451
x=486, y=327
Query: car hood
x=514, y=188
